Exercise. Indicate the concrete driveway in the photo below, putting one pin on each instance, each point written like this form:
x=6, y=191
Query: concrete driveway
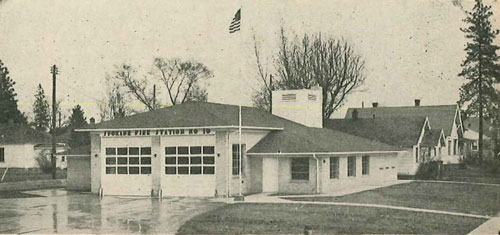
x=60, y=211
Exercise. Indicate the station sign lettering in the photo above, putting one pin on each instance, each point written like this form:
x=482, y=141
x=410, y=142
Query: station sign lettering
x=159, y=132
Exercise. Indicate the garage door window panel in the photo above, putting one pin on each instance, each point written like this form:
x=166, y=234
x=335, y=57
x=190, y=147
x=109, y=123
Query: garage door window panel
x=189, y=160
x=131, y=160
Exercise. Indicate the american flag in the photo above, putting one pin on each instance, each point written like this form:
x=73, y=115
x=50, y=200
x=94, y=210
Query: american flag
x=235, y=24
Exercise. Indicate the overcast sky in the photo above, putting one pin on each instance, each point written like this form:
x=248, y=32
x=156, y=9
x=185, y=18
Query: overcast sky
x=412, y=49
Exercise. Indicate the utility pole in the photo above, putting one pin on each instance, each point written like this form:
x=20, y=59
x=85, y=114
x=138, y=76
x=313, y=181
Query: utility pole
x=59, y=113
x=54, y=72
x=154, y=96
x=271, y=94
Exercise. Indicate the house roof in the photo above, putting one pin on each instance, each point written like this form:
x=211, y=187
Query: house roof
x=21, y=134
x=472, y=123
x=77, y=151
x=288, y=137
x=192, y=114
x=397, y=131
x=440, y=116
x=432, y=138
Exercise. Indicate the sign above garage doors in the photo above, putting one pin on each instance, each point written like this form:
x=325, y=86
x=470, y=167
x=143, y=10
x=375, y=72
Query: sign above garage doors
x=159, y=132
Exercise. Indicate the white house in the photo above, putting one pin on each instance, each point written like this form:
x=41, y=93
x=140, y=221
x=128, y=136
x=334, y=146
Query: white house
x=20, y=145
x=193, y=149
x=441, y=117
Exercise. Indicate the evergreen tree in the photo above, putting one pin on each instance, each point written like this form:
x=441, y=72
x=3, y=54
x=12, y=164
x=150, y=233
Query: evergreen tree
x=480, y=66
x=8, y=101
x=78, y=120
x=41, y=110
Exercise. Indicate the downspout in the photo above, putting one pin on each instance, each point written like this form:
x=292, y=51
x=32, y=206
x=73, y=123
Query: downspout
x=317, y=172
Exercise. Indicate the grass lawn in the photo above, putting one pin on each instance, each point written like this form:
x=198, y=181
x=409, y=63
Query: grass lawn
x=292, y=218
x=470, y=174
x=465, y=198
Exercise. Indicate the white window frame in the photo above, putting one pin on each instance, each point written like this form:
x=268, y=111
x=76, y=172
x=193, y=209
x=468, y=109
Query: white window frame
x=207, y=166
x=143, y=155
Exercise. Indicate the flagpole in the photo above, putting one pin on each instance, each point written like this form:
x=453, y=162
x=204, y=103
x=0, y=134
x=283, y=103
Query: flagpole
x=241, y=150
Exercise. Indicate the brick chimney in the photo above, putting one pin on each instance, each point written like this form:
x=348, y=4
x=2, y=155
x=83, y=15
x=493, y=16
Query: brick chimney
x=375, y=104
x=302, y=106
x=417, y=102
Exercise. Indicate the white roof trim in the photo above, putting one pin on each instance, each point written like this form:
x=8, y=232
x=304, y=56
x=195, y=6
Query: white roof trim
x=187, y=127
x=322, y=153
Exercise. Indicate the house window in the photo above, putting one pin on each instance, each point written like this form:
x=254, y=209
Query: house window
x=455, y=147
x=189, y=160
x=351, y=166
x=475, y=147
x=63, y=158
x=130, y=161
x=2, y=154
x=416, y=154
x=334, y=168
x=236, y=159
x=365, y=165
x=300, y=168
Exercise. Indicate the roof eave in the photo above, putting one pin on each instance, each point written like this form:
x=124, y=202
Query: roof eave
x=231, y=127
x=324, y=153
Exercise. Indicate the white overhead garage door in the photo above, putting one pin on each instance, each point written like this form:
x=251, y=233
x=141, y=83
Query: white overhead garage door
x=127, y=170
x=189, y=169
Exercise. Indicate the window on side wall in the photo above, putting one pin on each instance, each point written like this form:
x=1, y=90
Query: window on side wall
x=416, y=154
x=236, y=159
x=351, y=166
x=449, y=147
x=2, y=154
x=474, y=145
x=365, y=165
x=300, y=168
x=334, y=167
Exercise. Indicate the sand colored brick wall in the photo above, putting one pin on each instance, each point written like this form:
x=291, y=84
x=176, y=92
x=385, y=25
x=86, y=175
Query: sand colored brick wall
x=287, y=185
x=95, y=162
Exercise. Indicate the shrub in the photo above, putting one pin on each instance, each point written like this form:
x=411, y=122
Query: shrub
x=492, y=165
x=428, y=170
x=43, y=161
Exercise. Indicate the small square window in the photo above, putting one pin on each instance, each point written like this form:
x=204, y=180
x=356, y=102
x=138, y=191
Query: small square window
x=170, y=170
x=145, y=170
x=145, y=160
x=170, y=160
x=145, y=151
x=195, y=160
x=183, y=160
x=110, y=170
x=183, y=170
x=111, y=161
x=196, y=150
x=122, y=151
x=122, y=161
x=110, y=151
x=122, y=170
x=133, y=160
x=195, y=170
x=208, y=170
x=208, y=150
x=182, y=150
x=133, y=170
x=170, y=151
x=208, y=160
x=133, y=151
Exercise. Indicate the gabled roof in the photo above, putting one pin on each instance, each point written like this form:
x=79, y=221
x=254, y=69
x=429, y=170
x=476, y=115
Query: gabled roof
x=288, y=137
x=440, y=116
x=192, y=114
x=21, y=134
x=397, y=131
x=472, y=123
x=432, y=138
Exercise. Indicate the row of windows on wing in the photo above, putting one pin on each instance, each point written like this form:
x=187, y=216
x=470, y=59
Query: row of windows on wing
x=300, y=167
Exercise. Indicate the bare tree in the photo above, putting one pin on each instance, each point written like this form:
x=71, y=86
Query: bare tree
x=137, y=88
x=114, y=104
x=262, y=98
x=315, y=61
x=182, y=79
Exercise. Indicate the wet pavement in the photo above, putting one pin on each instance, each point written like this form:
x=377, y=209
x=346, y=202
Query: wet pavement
x=60, y=211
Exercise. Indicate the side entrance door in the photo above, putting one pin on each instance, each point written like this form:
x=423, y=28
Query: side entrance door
x=269, y=174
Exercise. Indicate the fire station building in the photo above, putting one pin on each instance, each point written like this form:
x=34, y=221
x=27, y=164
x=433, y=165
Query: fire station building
x=193, y=149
